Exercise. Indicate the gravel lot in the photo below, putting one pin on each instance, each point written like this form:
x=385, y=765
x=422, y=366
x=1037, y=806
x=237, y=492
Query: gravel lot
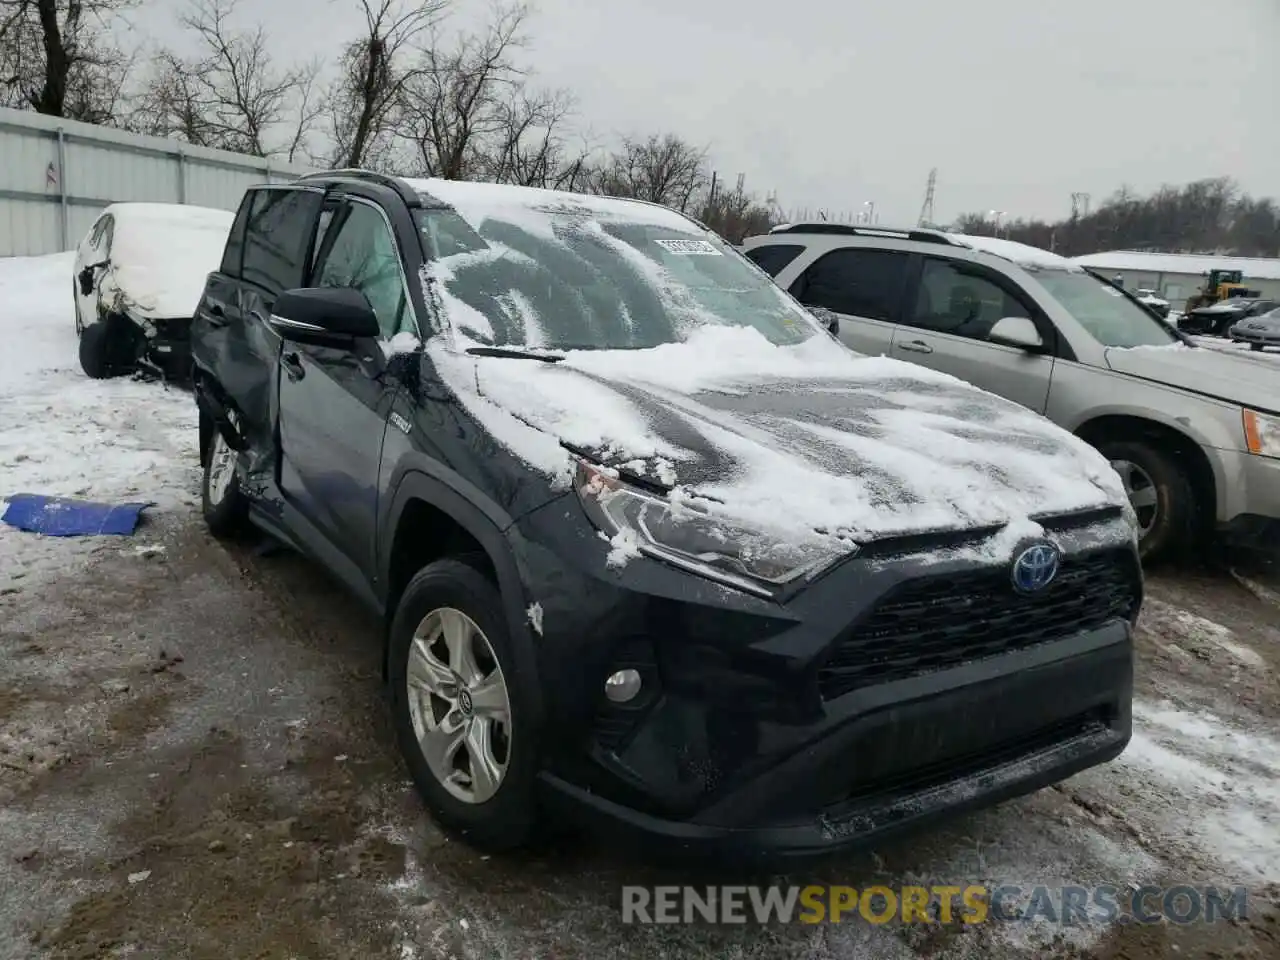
x=196, y=761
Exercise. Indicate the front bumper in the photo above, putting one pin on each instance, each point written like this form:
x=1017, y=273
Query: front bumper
x=1207, y=324
x=166, y=344
x=1250, y=486
x=893, y=690
x=908, y=754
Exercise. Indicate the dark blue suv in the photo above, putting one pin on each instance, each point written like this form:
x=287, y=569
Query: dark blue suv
x=656, y=554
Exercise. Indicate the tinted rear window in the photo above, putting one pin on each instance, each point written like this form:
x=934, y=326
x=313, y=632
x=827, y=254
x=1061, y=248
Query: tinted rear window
x=857, y=282
x=278, y=236
x=774, y=257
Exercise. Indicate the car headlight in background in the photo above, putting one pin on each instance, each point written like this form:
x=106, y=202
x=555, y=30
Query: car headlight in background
x=699, y=542
x=1261, y=434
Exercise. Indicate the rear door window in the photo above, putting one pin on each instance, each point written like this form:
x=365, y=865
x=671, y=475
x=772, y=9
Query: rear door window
x=774, y=257
x=859, y=283
x=278, y=236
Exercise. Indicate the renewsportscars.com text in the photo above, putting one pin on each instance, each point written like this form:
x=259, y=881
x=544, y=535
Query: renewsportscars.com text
x=1062, y=905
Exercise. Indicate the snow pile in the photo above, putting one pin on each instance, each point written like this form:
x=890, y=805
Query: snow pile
x=66, y=435
x=161, y=255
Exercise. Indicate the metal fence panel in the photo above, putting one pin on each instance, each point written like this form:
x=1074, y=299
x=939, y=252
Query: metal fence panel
x=57, y=175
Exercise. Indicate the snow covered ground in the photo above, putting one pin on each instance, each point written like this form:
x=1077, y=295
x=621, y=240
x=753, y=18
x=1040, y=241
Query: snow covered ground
x=251, y=779
x=66, y=435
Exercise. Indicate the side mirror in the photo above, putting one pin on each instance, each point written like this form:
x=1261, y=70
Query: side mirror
x=85, y=279
x=324, y=313
x=1016, y=332
x=828, y=318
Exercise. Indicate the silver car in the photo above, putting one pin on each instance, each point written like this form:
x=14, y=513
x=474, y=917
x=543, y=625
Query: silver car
x=1258, y=332
x=1193, y=432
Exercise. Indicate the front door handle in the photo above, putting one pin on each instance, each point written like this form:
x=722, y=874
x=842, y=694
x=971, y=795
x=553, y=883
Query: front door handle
x=916, y=346
x=292, y=364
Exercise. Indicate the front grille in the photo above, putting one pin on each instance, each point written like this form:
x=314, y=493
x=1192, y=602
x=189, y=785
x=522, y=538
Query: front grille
x=943, y=621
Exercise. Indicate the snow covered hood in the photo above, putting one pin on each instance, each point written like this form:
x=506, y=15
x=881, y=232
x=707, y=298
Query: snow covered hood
x=161, y=255
x=799, y=438
x=1236, y=378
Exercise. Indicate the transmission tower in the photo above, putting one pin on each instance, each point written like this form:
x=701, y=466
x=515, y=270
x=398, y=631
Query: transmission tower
x=1079, y=205
x=926, y=210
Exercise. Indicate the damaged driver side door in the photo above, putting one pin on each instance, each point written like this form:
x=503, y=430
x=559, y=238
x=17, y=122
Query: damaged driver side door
x=335, y=400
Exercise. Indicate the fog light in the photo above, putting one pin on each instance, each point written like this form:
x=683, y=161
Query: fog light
x=623, y=686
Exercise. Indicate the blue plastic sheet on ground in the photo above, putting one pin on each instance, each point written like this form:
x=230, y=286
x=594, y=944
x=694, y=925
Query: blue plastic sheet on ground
x=65, y=517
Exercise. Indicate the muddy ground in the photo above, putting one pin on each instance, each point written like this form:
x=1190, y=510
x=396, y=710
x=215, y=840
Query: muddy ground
x=196, y=761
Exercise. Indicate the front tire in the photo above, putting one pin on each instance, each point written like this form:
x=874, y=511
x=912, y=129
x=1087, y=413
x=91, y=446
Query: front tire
x=463, y=712
x=1160, y=492
x=102, y=352
x=224, y=507
x=1256, y=347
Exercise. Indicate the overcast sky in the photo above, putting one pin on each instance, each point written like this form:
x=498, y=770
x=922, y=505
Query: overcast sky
x=830, y=103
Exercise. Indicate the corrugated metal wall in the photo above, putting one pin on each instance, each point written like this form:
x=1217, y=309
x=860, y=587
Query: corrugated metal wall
x=56, y=175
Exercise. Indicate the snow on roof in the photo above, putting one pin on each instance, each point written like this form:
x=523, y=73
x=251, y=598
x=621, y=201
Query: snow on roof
x=1253, y=268
x=175, y=214
x=478, y=201
x=1019, y=253
x=162, y=253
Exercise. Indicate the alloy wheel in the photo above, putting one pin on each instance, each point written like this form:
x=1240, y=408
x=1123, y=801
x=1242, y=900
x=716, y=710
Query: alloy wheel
x=222, y=468
x=1141, y=490
x=459, y=705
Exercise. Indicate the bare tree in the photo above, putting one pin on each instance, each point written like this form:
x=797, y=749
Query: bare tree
x=231, y=95
x=56, y=57
x=531, y=146
x=735, y=214
x=662, y=169
x=372, y=73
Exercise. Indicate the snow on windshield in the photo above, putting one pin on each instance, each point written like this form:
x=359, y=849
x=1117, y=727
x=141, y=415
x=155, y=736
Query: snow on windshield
x=522, y=267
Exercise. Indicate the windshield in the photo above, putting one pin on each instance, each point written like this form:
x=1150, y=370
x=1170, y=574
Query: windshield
x=573, y=277
x=1108, y=315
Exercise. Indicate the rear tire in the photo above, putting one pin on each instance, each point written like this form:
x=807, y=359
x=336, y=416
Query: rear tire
x=492, y=819
x=1256, y=347
x=103, y=353
x=224, y=507
x=1172, y=525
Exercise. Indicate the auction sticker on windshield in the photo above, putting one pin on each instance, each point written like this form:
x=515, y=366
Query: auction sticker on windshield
x=689, y=247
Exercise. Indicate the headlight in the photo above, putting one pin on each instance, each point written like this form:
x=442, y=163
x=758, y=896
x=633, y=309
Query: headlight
x=1261, y=434
x=698, y=541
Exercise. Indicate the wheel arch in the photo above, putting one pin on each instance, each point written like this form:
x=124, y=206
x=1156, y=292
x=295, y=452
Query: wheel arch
x=1201, y=471
x=426, y=520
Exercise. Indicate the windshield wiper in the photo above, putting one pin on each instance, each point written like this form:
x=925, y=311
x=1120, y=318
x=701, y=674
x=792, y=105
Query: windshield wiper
x=511, y=353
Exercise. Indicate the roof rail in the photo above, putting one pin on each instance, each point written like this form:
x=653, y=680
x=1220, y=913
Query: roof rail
x=406, y=192
x=918, y=234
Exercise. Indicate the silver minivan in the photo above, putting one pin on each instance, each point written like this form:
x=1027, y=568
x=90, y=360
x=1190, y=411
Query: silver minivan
x=1194, y=432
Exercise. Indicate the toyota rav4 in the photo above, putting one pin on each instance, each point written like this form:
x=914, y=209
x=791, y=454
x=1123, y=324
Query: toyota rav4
x=656, y=553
